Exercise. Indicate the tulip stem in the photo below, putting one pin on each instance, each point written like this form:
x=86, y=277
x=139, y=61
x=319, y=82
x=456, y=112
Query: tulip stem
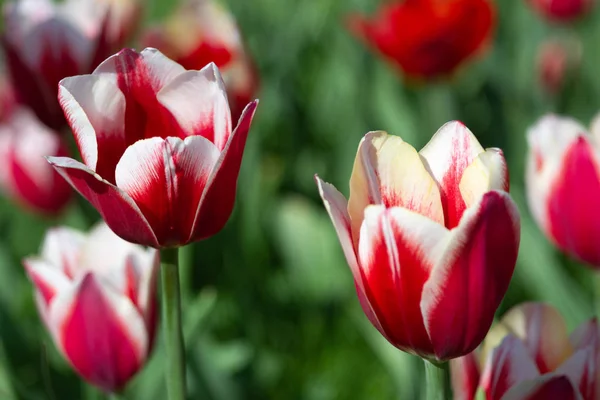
x=436, y=379
x=171, y=321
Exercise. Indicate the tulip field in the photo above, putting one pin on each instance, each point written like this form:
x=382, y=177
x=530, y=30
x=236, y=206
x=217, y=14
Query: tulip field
x=311, y=200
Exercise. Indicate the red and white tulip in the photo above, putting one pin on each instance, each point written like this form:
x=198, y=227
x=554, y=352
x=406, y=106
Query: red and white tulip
x=203, y=31
x=563, y=185
x=96, y=294
x=431, y=238
x=46, y=41
x=529, y=355
x=24, y=172
x=161, y=159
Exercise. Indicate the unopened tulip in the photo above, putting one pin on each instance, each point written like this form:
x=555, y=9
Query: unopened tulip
x=203, y=31
x=556, y=59
x=563, y=185
x=431, y=238
x=96, y=294
x=161, y=159
x=46, y=41
x=24, y=172
x=562, y=10
x=529, y=355
x=428, y=38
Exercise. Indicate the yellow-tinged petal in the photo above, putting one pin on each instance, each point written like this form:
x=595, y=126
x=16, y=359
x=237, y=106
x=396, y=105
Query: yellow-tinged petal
x=544, y=332
x=488, y=171
x=389, y=171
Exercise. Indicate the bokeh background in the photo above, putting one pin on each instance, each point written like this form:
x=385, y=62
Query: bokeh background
x=270, y=309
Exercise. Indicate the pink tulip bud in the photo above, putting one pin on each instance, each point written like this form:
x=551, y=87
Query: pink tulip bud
x=562, y=10
x=96, y=295
x=203, y=31
x=529, y=355
x=431, y=238
x=563, y=185
x=24, y=174
x=556, y=59
x=46, y=41
x=161, y=159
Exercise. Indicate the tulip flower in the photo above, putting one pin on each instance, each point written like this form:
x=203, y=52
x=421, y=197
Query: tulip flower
x=529, y=355
x=427, y=38
x=203, y=31
x=96, y=295
x=555, y=60
x=562, y=10
x=563, y=185
x=431, y=238
x=46, y=41
x=24, y=173
x=160, y=157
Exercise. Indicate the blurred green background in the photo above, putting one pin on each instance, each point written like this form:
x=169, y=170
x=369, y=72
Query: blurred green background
x=270, y=308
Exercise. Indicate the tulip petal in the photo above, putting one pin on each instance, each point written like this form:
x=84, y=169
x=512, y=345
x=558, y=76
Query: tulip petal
x=219, y=197
x=396, y=251
x=469, y=281
x=100, y=332
x=586, y=334
x=95, y=109
x=488, y=171
x=336, y=206
x=547, y=387
x=47, y=279
x=573, y=212
x=586, y=338
x=166, y=179
x=449, y=152
x=582, y=370
x=389, y=171
x=61, y=248
x=464, y=374
x=119, y=211
x=543, y=330
x=508, y=365
x=198, y=101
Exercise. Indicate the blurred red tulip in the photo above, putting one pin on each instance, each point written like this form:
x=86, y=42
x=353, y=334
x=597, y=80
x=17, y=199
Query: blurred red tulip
x=161, y=158
x=428, y=38
x=555, y=59
x=563, y=185
x=562, y=10
x=530, y=356
x=96, y=294
x=431, y=238
x=45, y=42
x=200, y=32
x=24, y=173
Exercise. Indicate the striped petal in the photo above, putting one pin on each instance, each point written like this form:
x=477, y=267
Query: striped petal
x=61, y=249
x=470, y=279
x=464, y=374
x=487, y=172
x=396, y=251
x=449, y=152
x=166, y=179
x=547, y=387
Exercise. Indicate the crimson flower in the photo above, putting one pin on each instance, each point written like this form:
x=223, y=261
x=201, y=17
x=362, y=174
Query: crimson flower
x=96, y=295
x=24, y=173
x=529, y=355
x=161, y=160
x=203, y=31
x=427, y=38
x=431, y=238
x=46, y=41
x=563, y=185
x=562, y=10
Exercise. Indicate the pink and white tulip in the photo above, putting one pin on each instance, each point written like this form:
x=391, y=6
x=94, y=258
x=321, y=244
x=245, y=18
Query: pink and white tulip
x=529, y=355
x=203, y=31
x=161, y=160
x=46, y=41
x=24, y=172
x=431, y=238
x=563, y=184
x=96, y=295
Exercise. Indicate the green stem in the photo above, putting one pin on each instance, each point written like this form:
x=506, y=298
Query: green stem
x=596, y=292
x=171, y=320
x=436, y=379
